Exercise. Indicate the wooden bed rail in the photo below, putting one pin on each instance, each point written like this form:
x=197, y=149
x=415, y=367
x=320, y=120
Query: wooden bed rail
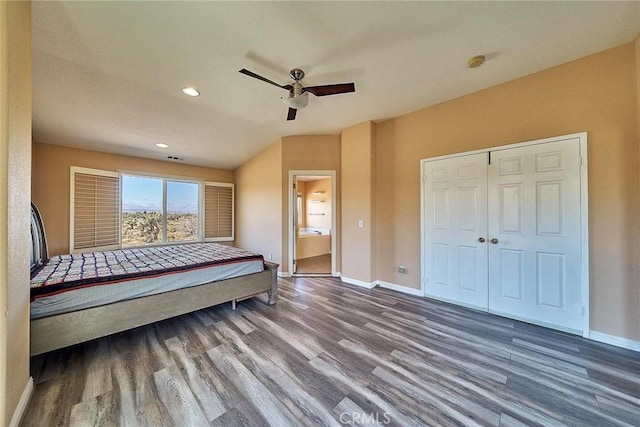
x=62, y=330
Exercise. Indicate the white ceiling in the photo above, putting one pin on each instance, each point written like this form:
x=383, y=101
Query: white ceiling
x=107, y=76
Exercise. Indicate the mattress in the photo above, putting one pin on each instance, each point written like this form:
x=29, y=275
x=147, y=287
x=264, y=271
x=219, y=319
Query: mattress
x=73, y=282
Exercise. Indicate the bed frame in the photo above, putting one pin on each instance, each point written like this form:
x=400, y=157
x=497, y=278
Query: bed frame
x=62, y=330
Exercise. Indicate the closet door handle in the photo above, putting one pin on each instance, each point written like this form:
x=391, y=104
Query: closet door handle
x=494, y=241
x=481, y=240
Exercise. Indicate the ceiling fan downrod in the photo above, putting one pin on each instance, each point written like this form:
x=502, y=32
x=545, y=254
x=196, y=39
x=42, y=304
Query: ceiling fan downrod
x=296, y=74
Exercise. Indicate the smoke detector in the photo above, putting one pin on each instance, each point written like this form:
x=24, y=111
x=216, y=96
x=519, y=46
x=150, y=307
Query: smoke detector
x=476, y=61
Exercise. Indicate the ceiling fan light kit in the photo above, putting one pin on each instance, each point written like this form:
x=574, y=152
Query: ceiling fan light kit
x=297, y=101
x=298, y=94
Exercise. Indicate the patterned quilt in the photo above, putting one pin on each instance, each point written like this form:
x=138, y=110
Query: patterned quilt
x=92, y=268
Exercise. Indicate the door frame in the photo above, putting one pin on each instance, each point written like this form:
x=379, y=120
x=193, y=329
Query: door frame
x=293, y=174
x=584, y=212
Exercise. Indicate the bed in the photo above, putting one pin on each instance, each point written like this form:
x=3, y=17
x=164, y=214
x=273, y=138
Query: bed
x=79, y=297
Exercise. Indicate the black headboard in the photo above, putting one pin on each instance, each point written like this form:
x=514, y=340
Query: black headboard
x=39, y=250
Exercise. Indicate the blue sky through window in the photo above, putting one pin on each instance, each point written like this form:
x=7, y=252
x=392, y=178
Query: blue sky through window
x=144, y=194
x=182, y=197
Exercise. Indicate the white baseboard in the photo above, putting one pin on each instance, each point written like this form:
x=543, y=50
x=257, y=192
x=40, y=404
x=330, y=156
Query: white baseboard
x=357, y=282
x=22, y=404
x=614, y=340
x=283, y=274
x=399, y=288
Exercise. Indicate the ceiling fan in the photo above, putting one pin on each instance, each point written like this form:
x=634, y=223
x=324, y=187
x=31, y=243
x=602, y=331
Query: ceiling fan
x=298, y=94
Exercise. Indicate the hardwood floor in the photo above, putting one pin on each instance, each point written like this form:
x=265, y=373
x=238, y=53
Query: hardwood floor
x=332, y=354
x=320, y=264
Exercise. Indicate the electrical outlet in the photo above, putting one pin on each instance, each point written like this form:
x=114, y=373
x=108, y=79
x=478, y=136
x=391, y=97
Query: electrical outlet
x=402, y=269
x=360, y=223
x=270, y=257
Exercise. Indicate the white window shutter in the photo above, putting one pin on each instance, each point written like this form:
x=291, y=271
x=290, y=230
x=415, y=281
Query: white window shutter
x=95, y=210
x=218, y=211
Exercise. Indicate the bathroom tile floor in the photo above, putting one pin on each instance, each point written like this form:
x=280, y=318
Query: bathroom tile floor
x=314, y=265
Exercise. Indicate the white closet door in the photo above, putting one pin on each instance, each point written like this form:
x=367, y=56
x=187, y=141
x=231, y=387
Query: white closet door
x=534, y=234
x=455, y=226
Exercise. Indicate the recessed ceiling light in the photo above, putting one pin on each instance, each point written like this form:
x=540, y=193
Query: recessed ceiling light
x=161, y=145
x=476, y=61
x=190, y=91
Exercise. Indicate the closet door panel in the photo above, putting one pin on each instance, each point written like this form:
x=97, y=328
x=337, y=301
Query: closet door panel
x=455, y=196
x=534, y=232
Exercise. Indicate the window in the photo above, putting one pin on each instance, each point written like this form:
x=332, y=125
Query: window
x=142, y=211
x=299, y=213
x=182, y=211
x=158, y=210
x=113, y=210
x=95, y=209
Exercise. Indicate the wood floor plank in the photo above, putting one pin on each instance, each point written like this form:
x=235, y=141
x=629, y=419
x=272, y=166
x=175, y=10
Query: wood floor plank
x=331, y=370
x=272, y=378
x=174, y=393
x=297, y=366
x=135, y=391
x=233, y=340
x=574, y=412
x=304, y=345
x=232, y=399
x=508, y=421
x=236, y=418
x=526, y=409
x=95, y=411
x=335, y=354
x=622, y=410
x=262, y=399
x=442, y=401
x=209, y=400
x=410, y=384
x=98, y=370
x=239, y=321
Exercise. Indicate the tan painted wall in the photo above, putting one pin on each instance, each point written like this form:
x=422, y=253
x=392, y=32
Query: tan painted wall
x=318, y=203
x=594, y=94
x=259, y=203
x=307, y=153
x=15, y=196
x=51, y=175
x=358, y=202
x=637, y=46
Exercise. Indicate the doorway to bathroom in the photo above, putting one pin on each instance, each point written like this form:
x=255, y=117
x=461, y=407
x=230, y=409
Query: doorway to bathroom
x=312, y=206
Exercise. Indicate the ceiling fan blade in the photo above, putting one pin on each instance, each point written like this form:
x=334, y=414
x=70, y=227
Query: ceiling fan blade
x=264, y=79
x=291, y=115
x=330, y=89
